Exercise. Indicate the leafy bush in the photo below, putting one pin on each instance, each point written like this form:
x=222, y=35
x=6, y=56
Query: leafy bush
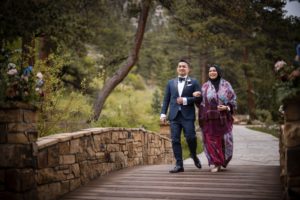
x=66, y=112
x=135, y=80
x=288, y=85
x=156, y=102
x=17, y=84
x=60, y=110
x=264, y=116
x=126, y=107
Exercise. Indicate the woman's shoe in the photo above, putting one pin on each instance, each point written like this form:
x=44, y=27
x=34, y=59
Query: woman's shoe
x=216, y=169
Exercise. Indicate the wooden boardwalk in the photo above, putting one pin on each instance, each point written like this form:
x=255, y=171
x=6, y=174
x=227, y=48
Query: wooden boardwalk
x=238, y=182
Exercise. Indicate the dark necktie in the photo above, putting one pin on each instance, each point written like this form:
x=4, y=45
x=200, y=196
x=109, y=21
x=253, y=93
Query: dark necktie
x=180, y=79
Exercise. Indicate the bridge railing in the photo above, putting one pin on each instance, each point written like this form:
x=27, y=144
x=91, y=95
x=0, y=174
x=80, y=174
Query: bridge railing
x=66, y=161
x=48, y=167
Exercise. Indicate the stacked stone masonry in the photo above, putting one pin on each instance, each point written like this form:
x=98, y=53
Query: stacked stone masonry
x=52, y=166
x=18, y=149
x=68, y=160
x=290, y=150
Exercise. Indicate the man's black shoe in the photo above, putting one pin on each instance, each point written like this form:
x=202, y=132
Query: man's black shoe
x=196, y=162
x=177, y=169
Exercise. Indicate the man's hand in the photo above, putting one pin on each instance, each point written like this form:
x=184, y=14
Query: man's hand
x=163, y=120
x=180, y=100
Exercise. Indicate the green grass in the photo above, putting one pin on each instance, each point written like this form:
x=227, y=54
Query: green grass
x=126, y=107
x=185, y=148
x=64, y=113
x=270, y=131
x=129, y=108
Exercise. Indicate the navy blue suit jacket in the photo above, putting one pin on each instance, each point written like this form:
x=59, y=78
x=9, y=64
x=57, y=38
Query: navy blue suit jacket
x=171, y=94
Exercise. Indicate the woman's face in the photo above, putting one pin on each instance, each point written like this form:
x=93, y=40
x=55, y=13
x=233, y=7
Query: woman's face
x=212, y=73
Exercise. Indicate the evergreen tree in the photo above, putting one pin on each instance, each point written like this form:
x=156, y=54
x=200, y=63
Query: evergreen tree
x=156, y=102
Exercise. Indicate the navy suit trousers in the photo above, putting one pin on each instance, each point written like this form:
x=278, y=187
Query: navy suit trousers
x=188, y=127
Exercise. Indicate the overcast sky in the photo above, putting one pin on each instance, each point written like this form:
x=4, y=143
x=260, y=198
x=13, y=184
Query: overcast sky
x=293, y=8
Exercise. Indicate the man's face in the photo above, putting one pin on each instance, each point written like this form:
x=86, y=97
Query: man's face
x=183, y=69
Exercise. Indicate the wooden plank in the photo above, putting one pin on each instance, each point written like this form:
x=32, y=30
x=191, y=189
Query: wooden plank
x=192, y=189
x=154, y=182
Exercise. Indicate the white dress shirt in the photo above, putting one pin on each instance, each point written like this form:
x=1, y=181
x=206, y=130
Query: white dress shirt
x=180, y=87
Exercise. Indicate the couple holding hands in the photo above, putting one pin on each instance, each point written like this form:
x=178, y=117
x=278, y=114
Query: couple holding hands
x=216, y=102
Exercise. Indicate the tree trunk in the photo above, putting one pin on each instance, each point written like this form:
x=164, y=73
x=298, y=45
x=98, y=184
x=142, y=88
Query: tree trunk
x=250, y=91
x=28, y=45
x=44, y=49
x=203, y=68
x=251, y=102
x=126, y=66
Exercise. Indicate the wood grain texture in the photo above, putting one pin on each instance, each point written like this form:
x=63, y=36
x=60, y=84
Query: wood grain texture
x=155, y=182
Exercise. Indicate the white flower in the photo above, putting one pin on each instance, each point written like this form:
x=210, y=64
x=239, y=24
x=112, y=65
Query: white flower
x=11, y=66
x=12, y=72
x=39, y=75
x=279, y=64
x=281, y=109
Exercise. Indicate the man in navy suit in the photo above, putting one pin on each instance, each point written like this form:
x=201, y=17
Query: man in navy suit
x=179, y=97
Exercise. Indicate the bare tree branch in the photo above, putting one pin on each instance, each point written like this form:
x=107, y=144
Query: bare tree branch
x=125, y=66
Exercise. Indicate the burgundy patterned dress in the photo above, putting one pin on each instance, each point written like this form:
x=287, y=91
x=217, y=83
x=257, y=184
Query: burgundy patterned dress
x=217, y=126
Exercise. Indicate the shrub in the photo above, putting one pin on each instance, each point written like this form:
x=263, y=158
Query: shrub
x=126, y=107
x=156, y=102
x=264, y=116
x=136, y=81
x=288, y=85
x=60, y=110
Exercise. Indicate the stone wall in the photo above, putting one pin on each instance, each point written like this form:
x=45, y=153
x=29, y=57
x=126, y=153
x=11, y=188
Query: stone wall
x=290, y=150
x=18, y=149
x=66, y=161
x=51, y=166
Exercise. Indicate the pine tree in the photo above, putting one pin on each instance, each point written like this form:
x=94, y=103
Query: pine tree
x=156, y=102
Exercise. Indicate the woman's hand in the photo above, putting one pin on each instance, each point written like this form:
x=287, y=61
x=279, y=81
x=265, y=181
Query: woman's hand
x=223, y=108
x=197, y=94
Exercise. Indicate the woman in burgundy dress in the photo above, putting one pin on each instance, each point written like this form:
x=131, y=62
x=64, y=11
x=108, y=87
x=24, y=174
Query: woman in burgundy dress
x=215, y=118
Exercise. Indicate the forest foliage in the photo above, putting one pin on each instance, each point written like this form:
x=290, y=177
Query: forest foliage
x=78, y=45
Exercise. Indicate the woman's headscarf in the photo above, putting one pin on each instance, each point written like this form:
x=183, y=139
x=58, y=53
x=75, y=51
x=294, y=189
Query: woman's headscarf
x=216, y=81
